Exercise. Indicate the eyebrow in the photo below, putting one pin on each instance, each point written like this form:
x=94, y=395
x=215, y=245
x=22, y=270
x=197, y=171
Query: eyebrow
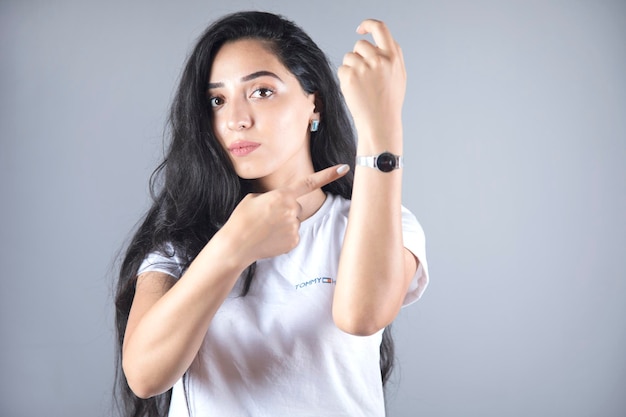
x=246, y=78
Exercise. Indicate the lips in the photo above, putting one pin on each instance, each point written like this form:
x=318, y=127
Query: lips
x=243, y=148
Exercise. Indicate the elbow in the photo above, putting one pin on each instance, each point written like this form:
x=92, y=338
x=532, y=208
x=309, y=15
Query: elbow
x=141, y=391
x=139, y=382
x=359, y=325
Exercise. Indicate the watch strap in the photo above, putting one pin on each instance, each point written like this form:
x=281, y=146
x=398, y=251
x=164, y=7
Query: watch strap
x=390, y=160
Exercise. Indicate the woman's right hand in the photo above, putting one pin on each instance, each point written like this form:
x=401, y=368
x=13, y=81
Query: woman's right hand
x=267, y=224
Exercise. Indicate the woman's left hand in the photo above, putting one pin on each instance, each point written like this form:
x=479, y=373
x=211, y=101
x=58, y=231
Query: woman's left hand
x=373, y=82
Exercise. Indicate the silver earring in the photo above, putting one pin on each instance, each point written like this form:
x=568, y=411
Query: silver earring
x=315, y=124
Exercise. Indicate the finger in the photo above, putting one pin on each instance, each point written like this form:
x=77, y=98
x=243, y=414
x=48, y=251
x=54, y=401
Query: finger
x=380, y=33
x=318, y=179
x=299, y=211
x=352, y=59
x=365, y=49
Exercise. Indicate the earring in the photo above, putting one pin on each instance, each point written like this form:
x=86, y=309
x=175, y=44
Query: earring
x=315, y=124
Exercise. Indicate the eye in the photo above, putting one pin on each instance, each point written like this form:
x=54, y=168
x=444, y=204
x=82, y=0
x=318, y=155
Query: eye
x=262, y=93
x=215, y=101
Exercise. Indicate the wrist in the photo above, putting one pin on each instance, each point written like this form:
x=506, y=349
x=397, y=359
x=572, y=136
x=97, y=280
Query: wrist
x=229, y=252
x=384, y=161
x=370, y=143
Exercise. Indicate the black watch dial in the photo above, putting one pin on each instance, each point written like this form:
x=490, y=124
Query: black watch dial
x=386, y=162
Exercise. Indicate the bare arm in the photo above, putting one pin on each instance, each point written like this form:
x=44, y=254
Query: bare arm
x=374, y=270
x=169, y=319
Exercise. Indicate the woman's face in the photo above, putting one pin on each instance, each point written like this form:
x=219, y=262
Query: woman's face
x=261, y=114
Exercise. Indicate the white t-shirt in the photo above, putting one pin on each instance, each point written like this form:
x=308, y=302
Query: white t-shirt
x=276, y=351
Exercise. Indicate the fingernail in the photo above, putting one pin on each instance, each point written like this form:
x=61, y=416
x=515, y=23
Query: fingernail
x=343, y=169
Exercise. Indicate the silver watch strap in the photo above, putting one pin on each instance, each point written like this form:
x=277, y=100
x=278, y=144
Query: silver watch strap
x=371, y=161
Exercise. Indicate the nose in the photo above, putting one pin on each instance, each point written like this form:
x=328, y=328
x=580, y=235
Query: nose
x=239, y=117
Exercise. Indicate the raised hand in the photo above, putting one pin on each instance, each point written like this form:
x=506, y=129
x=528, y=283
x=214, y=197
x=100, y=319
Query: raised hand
x=373, y=82
x=267, y=224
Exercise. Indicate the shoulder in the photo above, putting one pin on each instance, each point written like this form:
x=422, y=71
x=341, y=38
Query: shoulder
x=167, y=260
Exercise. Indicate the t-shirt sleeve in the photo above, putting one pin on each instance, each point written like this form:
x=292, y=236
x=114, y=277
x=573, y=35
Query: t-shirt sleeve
x=158, y=261
x=415, y=241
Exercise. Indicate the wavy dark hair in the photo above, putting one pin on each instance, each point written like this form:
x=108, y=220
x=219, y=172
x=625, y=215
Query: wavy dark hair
x=195, y=188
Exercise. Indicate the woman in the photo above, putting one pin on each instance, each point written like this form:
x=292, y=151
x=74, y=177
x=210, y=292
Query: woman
x=277, y=250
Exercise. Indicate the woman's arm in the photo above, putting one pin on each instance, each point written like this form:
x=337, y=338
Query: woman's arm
x=375, y=269
x=169, y=319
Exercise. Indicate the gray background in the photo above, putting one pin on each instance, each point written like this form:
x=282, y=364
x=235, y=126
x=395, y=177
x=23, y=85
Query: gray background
x=515, y=132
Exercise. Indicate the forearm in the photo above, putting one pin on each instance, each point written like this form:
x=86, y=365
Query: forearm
x=371, y=279
x=165, y=330
x=161, y=343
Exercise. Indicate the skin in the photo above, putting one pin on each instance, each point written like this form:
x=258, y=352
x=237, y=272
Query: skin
x=168, y=318
x=256, y=99
x=375, y=269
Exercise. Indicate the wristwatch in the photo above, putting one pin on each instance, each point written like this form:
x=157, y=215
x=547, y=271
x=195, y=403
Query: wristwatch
x=385, y=162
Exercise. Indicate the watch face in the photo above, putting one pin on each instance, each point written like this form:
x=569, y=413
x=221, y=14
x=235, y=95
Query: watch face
x=386, y=162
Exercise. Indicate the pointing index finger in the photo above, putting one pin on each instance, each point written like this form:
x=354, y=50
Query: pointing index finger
x=318, y=179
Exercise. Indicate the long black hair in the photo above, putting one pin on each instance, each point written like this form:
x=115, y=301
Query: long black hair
x=195, y=188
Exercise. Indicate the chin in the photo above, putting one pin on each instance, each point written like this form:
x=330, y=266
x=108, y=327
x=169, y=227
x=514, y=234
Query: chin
x=248, y=175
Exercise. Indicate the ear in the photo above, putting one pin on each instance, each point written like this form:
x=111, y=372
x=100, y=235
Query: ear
x=319, y=106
